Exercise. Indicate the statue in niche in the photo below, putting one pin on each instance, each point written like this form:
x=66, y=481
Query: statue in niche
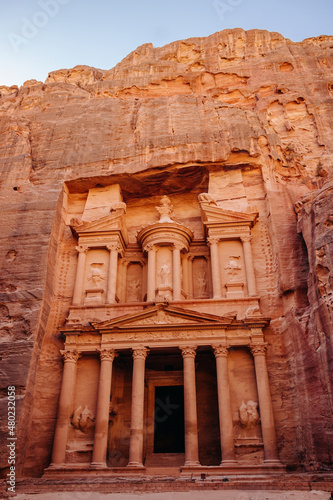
x=164, y=274
x=134, y=290
x=200, y=283
x=248, y=414
x=96, y=275
x=165, y=209
x=83, y=420
x=233, y=267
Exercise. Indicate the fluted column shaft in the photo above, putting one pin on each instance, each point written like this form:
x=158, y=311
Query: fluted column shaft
x=265, y=404
x=112, y=277
x=176, y=272
x=190, y=407
x=81, y=264
x=249, y=269
x=151, y=283
x=64, y=407
x=215, y=263
x=103, y=408
x=224, y=402
x=137, y=409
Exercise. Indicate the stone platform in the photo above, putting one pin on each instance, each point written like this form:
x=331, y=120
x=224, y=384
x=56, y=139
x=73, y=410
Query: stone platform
x=239, y=487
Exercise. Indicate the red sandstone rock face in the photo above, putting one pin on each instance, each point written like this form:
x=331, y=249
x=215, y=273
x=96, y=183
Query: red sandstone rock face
x=246, y=101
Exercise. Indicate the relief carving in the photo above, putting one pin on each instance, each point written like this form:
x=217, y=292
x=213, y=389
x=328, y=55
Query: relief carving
x=207, y=198
x=248, y=415
x=96, y=275
x=134, y=291
x=233, y=267
x=164, y=275
x=83, y=420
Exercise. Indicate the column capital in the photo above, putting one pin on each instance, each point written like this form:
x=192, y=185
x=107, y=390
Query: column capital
x=150, y=247
x=82, y=248
x=140, y=352
x=72, y=356
x=258, y=349
x=220, y=350
x=246, y=238
x=178, y=246
x=213, y=240
x=114, y=246
x=188, y=351
x=108, y=354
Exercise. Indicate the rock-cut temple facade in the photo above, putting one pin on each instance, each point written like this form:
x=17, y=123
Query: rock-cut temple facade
x=166, y=255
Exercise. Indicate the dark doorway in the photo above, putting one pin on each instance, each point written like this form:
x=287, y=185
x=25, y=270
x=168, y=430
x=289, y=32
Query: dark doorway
x=169, y=419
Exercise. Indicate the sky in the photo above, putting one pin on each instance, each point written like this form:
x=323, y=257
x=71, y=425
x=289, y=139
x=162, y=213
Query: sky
x=39, y=36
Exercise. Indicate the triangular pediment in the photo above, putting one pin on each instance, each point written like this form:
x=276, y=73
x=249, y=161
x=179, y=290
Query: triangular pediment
x=214, y=214
x=160, y=315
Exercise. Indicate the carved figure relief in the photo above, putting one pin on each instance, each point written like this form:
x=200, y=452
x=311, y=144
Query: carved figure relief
x=134, y=291
x=248, y=414
x=83, y=420
x=233, y=267
x=164, y=275
x=207, y=198
x=165, y=209
x=96, y=275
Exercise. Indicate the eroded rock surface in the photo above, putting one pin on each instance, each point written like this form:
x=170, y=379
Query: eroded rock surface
x=244, y=116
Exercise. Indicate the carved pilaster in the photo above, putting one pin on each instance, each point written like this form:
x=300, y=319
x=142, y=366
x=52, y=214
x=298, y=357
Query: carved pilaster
x=215, y=263
x=81, y=264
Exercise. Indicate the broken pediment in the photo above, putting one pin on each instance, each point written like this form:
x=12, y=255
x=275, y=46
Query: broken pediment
x=161, y=315
x=214, y=214
x=106, y=226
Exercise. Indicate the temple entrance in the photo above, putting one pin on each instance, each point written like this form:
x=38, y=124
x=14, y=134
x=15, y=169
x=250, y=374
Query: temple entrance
x=169, y=419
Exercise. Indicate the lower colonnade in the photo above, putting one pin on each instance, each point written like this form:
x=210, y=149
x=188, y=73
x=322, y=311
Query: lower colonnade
x=136, y=441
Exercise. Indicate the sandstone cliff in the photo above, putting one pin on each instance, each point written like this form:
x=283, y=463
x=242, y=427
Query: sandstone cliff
x=237, y=100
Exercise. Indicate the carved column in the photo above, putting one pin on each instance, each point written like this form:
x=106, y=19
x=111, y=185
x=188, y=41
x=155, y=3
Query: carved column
x=215, y=263
x=151, y=283
x=265, y=404
x=64, y=407
x=137, y=409
x=81, y=264
x=190, y=407
x=225, y=413
x=103, y=408
x=176, y=272
x=112, y=277
x=249, y=269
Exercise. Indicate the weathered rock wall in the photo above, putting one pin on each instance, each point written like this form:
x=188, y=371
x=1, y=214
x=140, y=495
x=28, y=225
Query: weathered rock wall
x=233, y=101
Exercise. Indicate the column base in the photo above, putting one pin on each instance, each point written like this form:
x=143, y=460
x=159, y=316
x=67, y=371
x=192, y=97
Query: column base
x=190, y=463
x=98, y=465
x=57, y=466
x=135, y=465
x=228, y=463
x=273, y=462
